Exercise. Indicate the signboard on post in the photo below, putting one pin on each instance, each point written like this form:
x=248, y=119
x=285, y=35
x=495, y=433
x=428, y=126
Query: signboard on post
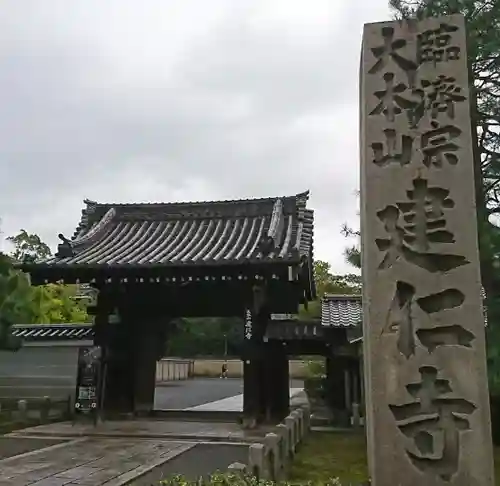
x=88, y=380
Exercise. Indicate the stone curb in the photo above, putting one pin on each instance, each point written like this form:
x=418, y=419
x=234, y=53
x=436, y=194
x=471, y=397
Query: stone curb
x=197, y=438
x=269, y=458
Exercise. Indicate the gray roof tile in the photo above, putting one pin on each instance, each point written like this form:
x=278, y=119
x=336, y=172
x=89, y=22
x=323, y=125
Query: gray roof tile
x=341, y=310
x=53, y=332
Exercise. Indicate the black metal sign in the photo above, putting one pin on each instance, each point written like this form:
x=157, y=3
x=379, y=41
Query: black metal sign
x=88, y=380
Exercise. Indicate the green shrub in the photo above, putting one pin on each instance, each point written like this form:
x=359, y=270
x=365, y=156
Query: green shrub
x=220, y=479
x=316, y=368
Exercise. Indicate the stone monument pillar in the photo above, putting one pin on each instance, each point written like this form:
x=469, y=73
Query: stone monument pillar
x=426, y=383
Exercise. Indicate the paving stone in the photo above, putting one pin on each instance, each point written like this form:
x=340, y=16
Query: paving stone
x=78, y=472
x=52, y=481
x=146, y=428
x=90, y=462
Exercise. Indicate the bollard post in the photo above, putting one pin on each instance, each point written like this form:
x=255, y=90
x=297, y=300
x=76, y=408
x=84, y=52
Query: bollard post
x=237, y=468
x=296, y=428
x=45, y=410
x=290, y=425
x=282, y=431
x=356, y=416
x=256, y=460
x=300, y=423
x=22, y=408
x=271, y=442
x=307, y=418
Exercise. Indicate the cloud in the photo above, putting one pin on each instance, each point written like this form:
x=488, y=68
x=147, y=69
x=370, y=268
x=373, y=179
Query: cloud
x=182, y=100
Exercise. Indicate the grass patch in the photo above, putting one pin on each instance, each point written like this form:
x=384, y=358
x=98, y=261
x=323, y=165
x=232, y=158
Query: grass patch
x=326, y=455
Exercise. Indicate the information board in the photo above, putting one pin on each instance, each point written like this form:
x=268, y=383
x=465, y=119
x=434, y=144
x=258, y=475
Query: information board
x=88, y=380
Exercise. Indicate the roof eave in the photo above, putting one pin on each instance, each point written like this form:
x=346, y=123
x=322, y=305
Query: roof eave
x=40, y=272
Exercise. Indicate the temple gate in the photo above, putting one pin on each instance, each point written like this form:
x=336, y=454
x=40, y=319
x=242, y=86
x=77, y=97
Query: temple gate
x=152, y=263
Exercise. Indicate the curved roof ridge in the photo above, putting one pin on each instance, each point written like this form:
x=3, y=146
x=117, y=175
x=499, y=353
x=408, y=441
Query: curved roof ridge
x=301, y=196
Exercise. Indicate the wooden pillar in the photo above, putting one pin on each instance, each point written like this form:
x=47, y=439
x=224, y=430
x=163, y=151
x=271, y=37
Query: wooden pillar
x=116, y=342
x=145, y=359
x=118, y=368
x=277, y=382
x=348, y=387
x=256, y=317
x=251, y=390
x=362, y=381
x=355, y=383
x=336, y=382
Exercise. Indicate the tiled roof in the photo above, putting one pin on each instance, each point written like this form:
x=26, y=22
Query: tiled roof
x=347, y=311
x=175, y=234
x=341, y=311
x=53, y=332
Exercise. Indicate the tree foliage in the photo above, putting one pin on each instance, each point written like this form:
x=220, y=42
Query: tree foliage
x=57, y=304
x=352, y=253
x=28, y=248
x=21, y=303
x=206, y=337
x=15, y=303
x=328, y=283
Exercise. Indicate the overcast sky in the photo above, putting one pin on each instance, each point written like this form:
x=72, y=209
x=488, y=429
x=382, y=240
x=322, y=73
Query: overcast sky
x=172, y=100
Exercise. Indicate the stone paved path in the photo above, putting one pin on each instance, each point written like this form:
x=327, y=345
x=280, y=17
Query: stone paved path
x=89, y=462
x=117, y=452
x=144, y=428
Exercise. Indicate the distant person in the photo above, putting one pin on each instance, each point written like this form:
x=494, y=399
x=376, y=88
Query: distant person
x=224, y=370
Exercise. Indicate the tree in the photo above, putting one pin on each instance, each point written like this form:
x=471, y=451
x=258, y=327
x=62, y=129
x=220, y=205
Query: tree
x=15, y=302
x=52, y=303
x=28, y=248
x=206, y=336
x=56, y=304
x=352, y=253
x=327, y=283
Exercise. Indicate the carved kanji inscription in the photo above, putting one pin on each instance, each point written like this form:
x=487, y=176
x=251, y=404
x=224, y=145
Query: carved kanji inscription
x=453, y=335
x=390, y=50
x=395, y=150
x=438, y=145
x=433, y=419
x=401, y=320
x=437, y=46
x=391, y=102
x=414, y=226
x=435, y=98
